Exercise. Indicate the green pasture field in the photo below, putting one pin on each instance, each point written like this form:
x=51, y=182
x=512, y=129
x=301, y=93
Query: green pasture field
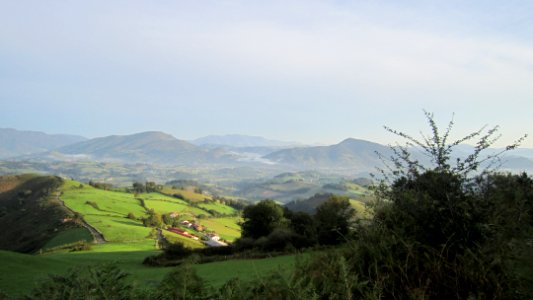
x=219, y=208
x=218, y=273
x=227, y=228
x=187, y=193
x=165, y=204
x=108, y=202
x=110, y=216
x=119, y=229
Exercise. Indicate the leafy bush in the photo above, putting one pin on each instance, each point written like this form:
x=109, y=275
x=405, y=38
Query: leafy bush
x=182, y=283
x=93, y=204
x=92, y=282
x=176, y=250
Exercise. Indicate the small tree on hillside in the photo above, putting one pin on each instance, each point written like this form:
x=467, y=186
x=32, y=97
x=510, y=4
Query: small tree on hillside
x=262, y=218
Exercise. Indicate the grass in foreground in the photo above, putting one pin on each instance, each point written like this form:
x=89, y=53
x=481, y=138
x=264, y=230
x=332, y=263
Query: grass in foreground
x=19, y=273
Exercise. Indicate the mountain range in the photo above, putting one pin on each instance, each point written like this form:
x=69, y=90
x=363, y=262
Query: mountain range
x=350, y=154
x=16, y=142
x=146, y=147
x=349, y=157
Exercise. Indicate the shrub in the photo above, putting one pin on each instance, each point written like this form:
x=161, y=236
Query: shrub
x=182, y=283
x=93, y=282
x=176, y=250
x=93, y=204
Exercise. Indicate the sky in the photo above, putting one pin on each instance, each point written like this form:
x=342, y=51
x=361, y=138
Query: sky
x=306, y=71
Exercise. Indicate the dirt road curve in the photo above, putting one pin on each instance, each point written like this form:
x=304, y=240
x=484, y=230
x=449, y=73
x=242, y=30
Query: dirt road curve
x=98, y=237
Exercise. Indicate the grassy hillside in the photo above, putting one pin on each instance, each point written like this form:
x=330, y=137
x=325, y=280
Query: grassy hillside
x=107, y=211
x=128, y=240
x=30, y=214
x=189, y=192
x=227, y=228
x=165, y=204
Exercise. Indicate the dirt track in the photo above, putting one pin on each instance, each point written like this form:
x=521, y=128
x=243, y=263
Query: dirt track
x=98, y=237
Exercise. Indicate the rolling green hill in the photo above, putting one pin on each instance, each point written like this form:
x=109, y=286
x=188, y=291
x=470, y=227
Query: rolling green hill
x=43, y=213
x=108, y=211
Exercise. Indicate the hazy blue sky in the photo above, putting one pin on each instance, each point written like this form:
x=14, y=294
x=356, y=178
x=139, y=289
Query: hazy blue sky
x=310, y=71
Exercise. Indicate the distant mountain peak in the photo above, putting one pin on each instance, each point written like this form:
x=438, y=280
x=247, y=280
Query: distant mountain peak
x=158, y=134
x=351, y=155
x=146, y=147
x=357, y=141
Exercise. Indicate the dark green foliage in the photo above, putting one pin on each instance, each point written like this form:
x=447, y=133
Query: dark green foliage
x=138, y=188
x=277, y=240
x=182, y=283
x=513, y=194
x=233, y=289
x=235, y=203
x=92, y=282
x=153, y=220
x=261, y=219
x=131, y=216
x=152, y=187
x=441, y=224
x=93, y=204
x=331, y=276
x=303, y=225
x=178, y=196
x=167, y=220
x=435, y=209
x=99, y=185
x=147, y=187
x=334, y=219
x=176, y=250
